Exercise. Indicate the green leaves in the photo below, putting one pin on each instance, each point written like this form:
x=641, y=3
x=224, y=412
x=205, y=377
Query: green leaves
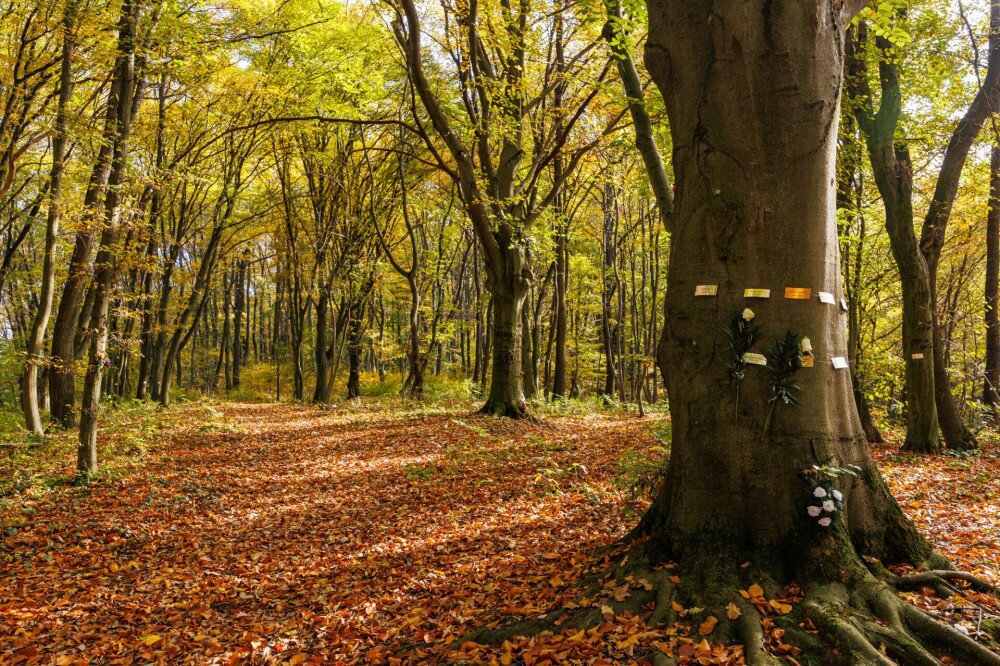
x=883, y=21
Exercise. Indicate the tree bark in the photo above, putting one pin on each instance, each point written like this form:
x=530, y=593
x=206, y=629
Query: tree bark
x=755, y=139
x=934, y=230
x=239, y=305
x=354, y=333
x=505, y=397
x=893, y=173
x=126, y=88
x=991, y=378
x=29, y=392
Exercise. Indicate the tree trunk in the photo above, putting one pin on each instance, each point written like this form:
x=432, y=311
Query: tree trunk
x=991, y=379
x=354, y=333
x=416, y=363
x=559, y=312
x=755, y=139
x=934, y=230
x=125, y=89
x=319, y=352
x=146, y=336
x=62, y=375
x=893, y=173
x=238, y=306
x=29, y=392
x=609, y=328
x=527, y=362
x=507, y=288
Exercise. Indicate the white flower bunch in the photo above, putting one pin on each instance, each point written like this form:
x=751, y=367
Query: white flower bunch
x=826, y=505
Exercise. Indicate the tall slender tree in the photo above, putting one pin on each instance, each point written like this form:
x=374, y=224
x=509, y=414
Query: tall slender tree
x=29, y=391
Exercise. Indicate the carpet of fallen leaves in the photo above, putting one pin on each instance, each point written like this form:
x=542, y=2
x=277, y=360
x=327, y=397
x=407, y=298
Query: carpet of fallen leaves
x=290, y=534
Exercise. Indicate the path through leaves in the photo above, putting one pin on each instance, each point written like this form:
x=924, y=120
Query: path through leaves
x=362, y=535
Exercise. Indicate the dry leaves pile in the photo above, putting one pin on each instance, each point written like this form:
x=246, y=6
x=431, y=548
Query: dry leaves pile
x=302, y=536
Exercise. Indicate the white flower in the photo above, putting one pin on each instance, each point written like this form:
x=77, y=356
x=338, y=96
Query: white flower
x=814, y=511
x=819, y=492
x=825, y=521
x=828, y=506
x=747, y=314
x=837, y=495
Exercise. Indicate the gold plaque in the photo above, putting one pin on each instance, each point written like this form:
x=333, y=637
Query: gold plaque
x=706, y=290
x=917, y=357
x=798, y=293
x=807, y=361
x=757, y=293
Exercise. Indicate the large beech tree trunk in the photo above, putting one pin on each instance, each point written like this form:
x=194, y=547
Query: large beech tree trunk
x=752, y=90
x=755, y=136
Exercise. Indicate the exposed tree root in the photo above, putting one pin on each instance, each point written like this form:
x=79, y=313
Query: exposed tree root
x=507, y=409
x=928, y=578
x=856, y=613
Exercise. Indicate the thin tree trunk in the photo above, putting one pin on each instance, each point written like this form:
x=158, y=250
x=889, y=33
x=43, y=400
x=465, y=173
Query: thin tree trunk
x=893, y=173
x=105, y=263
x=32, y=415
x=991, y=379
x=934, y=230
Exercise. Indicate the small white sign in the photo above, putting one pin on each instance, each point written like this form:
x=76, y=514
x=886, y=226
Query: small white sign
x=826, y=297
x=843, y=304
x=839, y=362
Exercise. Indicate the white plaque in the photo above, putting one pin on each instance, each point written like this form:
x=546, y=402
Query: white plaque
x=826, y=297
x=839, y=362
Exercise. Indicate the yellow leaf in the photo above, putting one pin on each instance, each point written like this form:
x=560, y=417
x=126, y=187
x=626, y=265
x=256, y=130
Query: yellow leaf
x=555, y=581
x=151, y=639
x=756, y=591
x=732, y=611
x=782, y=608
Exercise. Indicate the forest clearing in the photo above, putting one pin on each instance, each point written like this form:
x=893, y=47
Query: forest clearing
x=379, y=533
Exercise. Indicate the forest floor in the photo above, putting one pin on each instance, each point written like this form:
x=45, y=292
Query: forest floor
x=376, y=533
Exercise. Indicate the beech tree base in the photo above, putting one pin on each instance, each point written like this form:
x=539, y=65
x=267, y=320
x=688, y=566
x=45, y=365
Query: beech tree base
x=859, y=616
x=511, y=410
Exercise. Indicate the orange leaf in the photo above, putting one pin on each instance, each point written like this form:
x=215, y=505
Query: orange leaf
x=708, y=626
x=756, y=590
x=732, y=611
